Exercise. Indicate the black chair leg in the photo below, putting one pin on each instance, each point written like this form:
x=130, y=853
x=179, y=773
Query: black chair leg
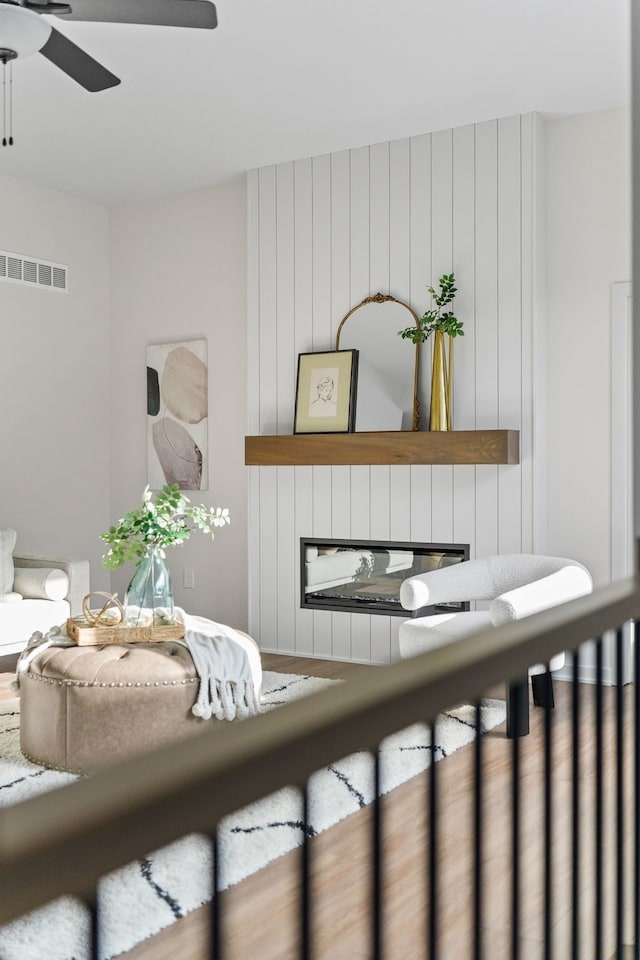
x=542, y=689
x=518, y=708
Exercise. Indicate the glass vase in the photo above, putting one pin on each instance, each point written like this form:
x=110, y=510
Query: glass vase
x=149, y=598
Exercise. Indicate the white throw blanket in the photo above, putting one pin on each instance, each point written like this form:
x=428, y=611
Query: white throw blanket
x=229, y=667
x=56, y=636
x=227, y=662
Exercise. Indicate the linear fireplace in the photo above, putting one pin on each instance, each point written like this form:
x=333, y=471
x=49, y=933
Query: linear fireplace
x=364, y=576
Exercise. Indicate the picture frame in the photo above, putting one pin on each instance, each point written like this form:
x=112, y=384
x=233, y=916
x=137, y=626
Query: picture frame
x=326, y=388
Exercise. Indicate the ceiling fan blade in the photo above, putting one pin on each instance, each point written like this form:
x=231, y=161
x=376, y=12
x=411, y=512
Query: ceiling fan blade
x=77, y=64
x=167, y=13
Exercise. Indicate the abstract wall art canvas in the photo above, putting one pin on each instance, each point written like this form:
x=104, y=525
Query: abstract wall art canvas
x=177, y=415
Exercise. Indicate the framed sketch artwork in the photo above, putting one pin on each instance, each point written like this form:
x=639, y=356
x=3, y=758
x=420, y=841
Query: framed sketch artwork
x=178, y=415
x=326, y=392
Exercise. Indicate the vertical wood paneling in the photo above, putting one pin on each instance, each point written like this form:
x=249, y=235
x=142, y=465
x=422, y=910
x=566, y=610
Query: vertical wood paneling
x=360, y=530
x=322, y=501
x=464, y=509
x=533, y=364
x=268, y=498
x=361, y=637
x=303, y=257
x=340, y=241
x=464, y=368
x=380, y=503
x=268, y=300
x=509, y=324
x=441, y=204
x=360, y=503
x=486, y=236
x=322, y=507
x=400, y=503
x=303, y=502
x=322, y=643
x=323, y=234
x=463, y=263
x=303, y=301
x=285, y=305
x=360, y=280
x=253, y=303
x=379, y=227
x=442, y=504
x=379, y=217
x=487, y=275
x=361, y=286
x=321, y=280
x=420, y=256
x=341, y=635
x=341, y=501
x=420, y=501
x=380, y=639
x=286, y=559
x=380, y=530
x=340, y=305
x=253, y=573
x=359, y=225
x=253, y=398
x=341, y=529
x=441, y=262
x=399, y=219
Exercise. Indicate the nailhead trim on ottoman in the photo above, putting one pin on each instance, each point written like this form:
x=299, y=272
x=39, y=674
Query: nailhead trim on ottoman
x=84, y=707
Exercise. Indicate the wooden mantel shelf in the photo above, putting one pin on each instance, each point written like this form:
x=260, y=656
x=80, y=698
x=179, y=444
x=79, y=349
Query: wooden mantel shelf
x=394, y=447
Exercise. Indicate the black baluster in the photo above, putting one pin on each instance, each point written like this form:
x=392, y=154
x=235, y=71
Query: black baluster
x=515, y=848
x=477, y=837
x=575, y=807
x=306, y=936
x=548, y=851
x=619, y=794
x=94, y=927
x=377, y=919
x=432, y=916
x=636, y=791
x=599, y=806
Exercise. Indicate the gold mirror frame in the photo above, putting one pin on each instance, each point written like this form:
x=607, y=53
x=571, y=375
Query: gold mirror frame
x=382, y=298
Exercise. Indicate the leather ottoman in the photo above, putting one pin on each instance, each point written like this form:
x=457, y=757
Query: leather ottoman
x=84, y=707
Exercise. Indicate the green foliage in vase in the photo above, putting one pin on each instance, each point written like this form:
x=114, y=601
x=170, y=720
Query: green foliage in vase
x=435, y=319
x=161, y=523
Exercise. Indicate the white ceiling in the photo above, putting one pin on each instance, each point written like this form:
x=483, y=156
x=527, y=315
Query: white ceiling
x=284, y=79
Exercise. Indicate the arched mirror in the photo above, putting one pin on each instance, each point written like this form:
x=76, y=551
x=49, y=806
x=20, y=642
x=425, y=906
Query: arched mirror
x=387, y=396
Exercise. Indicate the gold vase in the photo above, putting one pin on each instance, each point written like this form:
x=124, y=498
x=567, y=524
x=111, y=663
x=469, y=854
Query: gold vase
x=440, y=414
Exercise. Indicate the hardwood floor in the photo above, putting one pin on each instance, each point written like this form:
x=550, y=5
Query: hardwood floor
x=260, y=914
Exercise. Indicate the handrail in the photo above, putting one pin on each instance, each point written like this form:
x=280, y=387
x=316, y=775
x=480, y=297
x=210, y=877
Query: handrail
x=64, y=841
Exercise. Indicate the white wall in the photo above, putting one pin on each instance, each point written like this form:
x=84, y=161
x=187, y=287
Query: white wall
x=54, y=377
x=323, y=234
x=588, y=160
x=178, y=273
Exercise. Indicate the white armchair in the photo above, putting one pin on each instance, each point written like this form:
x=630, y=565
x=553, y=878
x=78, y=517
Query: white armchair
x=517, y=586
x=36, y=593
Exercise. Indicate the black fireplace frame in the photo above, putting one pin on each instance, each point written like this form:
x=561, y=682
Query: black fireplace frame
x=377, y=606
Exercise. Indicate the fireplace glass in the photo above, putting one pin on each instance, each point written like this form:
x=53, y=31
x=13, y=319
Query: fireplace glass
x=364, y=576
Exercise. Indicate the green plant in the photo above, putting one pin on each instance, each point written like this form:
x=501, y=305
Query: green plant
x=435, y=319
x=161, y=523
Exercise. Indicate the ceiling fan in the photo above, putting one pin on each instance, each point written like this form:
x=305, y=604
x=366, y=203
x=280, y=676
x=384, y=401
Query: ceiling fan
x=23, y=31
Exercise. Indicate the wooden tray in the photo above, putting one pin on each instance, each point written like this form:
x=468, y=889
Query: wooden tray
x=87, y=635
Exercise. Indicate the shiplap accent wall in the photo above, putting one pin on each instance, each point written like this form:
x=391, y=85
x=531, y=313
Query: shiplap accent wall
x=325, y=232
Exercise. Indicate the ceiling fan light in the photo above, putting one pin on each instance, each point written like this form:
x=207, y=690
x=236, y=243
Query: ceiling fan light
x=22, y=30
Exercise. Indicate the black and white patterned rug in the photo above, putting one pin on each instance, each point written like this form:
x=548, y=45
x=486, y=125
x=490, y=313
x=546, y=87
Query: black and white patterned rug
x=143, y=898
